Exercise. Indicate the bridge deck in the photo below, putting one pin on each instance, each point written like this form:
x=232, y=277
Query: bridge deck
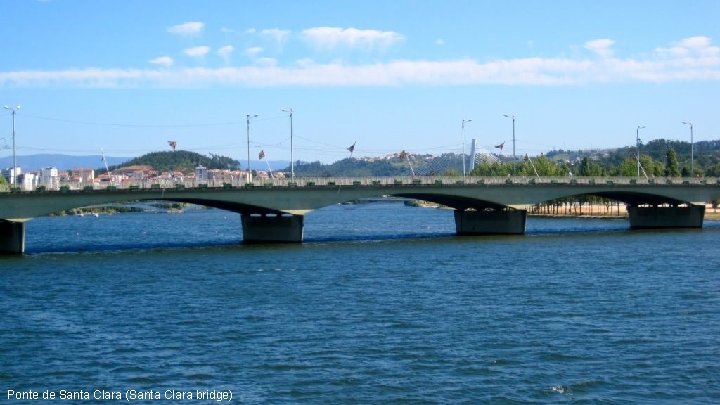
x=368, y=181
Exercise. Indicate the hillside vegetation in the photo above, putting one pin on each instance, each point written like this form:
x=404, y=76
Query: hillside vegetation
x=181, y=161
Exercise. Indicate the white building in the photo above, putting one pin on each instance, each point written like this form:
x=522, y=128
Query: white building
x=49, y=178
x=201, y=174
x=11, y=174
x=27, y=181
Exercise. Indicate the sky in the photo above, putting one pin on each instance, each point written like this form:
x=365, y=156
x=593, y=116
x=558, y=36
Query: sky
x=125, y=77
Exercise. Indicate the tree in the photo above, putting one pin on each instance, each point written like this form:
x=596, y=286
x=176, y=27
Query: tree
x=547, y=167
x=652, y=167
x=589, y=168
x=713, y=170
x=627, y=168
x=671, y=163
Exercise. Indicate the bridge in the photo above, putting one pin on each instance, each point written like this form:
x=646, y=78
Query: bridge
x=273, y=210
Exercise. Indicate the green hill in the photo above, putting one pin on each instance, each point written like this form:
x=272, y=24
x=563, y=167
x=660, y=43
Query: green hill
x=181, y=160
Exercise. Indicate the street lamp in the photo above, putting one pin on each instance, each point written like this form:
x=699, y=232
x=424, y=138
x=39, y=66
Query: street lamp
x=637, y=147
x=692, y=149
x=13, y=171
x=248, y=145
x=292, y=162
x=462, y=135
x=513, y=121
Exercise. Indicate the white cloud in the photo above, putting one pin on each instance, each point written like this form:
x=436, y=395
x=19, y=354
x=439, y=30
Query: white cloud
x=197, y=51
x=276, y=34
x=253, y=52
x=691, y=59
x=225, y=52
x=699, y=46
x=267, y=62
x=334, y=37
x=162, y=61
x=439, y=42
x=602, y=47
x=187, y=29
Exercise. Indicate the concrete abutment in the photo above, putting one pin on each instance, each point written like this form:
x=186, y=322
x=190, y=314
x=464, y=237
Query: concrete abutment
x=12, y=237
x=499, y=222
x=272, y=228
x=653, y=217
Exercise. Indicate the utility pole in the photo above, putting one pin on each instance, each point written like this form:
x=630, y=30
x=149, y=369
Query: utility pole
x=13, y=171
x=462, y=135
x=513, y=133
x=692, y=149
x=292, y=162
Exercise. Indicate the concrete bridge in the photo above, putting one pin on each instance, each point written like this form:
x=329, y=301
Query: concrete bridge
x=274, y=210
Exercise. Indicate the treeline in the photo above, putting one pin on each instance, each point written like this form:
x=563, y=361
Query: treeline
x=628, y=167
x=705, y=159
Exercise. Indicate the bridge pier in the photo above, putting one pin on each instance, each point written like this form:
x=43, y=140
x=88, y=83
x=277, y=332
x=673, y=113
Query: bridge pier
x=12, y=237
x=499, y=222
x=272, y=228
x=666, y=217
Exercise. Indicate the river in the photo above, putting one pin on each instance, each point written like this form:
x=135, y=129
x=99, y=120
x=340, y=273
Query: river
x=381, y=304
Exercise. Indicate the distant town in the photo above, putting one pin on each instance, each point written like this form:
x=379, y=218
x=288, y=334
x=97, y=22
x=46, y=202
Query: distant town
x=51, y=178
x=170, y=168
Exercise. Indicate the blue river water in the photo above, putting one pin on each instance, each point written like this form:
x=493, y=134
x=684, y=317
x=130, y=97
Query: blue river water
x=382, y=304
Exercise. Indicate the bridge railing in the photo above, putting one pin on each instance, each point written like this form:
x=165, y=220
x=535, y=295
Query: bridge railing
x=380, y=181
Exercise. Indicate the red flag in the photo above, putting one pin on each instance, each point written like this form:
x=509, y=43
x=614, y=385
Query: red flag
x=500, y=146
x=172, y=144
x=261, y=155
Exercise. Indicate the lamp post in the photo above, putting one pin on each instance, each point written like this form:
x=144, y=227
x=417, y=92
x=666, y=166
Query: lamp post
x=249, y=178
x=513, y=123
x=692, y=149
x=13, y=171
x=462, y=135
x=292, y=162
x=637, y=147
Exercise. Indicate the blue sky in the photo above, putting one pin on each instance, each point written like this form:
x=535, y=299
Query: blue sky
x=391, y=75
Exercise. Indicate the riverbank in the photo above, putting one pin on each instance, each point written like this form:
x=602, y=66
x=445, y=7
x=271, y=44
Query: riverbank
x=598, y=211
x=614, y=210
